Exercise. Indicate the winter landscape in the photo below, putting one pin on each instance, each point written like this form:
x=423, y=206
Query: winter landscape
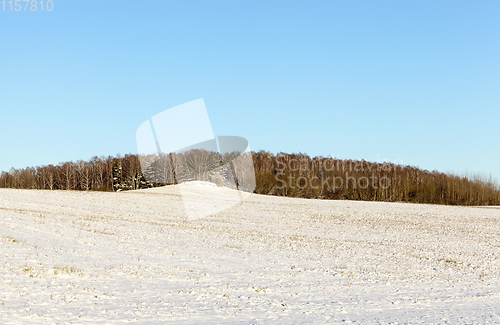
x=120, y=257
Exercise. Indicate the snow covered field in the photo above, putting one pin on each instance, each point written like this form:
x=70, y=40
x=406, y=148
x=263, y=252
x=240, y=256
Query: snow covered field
x=89, y=257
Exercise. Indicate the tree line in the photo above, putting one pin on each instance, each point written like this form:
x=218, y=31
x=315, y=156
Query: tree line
x=293, y=175
x=298, y=175
x=98, y=174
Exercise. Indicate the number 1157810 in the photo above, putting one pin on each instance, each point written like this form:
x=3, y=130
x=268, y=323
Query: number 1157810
x=27, y=5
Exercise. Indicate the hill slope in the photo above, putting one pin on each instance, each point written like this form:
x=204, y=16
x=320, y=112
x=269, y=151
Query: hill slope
x=92, y=257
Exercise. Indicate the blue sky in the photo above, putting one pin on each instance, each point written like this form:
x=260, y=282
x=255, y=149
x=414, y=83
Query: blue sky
x=409, y=81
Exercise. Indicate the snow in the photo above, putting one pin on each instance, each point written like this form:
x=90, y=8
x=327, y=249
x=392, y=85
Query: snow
x=92, y=257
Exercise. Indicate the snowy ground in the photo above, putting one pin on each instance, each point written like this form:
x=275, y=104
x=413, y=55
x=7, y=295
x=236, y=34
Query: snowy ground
x=88, y=257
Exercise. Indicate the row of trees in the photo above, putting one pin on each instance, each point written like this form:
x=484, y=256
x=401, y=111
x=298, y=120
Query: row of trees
x=98, y=174
x=299, y=175
x=294, y=175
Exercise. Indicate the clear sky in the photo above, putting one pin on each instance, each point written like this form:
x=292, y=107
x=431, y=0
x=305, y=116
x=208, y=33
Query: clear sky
x=416, y=82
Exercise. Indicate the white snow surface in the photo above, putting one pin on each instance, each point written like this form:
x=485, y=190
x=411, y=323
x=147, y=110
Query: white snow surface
x=93, y=257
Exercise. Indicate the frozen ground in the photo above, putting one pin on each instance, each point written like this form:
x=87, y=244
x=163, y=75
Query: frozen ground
x=89, y=257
